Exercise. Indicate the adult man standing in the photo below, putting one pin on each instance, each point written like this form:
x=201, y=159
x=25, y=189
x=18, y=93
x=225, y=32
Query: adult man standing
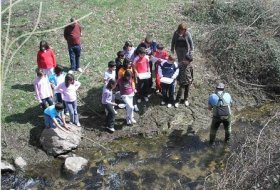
x=72, y=34
x=220, y=103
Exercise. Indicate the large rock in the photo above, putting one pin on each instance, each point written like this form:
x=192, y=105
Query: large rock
x=57, y=141
x=20, y=163
x=73, y=165
x=7, y=167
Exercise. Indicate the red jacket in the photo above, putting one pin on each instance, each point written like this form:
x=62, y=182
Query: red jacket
x=46, y=59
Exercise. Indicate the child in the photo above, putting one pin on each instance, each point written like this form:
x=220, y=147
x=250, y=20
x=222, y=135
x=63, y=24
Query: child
x=68, y=90
x=141, y=65
x=46, y=58
x=43, y=89
x=168, y=69
x=185, y=79
x=127, y=93
x=119, y=62
x=159, y=56
x=107, y=96
x=129, y=50
x=127, y=66
x=56, y=79
x=150, y=45
x=54, y=117
x=110, y=73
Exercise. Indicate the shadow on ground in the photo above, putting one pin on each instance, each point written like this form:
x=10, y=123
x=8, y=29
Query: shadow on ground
x=24, y=87
x=33, y=116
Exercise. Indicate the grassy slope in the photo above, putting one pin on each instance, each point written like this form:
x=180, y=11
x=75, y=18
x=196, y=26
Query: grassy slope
x=104, y=33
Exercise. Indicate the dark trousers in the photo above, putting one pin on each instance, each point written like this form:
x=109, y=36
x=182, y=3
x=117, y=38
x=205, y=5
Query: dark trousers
x=110, y=119
x=45, y=101
x=74, y=54
x=167, y=91
x=185, y=89
x=59, y=99
x=216, y=121
x=143, y=87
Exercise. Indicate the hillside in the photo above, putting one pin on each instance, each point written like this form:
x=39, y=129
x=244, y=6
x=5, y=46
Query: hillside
x=232, y=45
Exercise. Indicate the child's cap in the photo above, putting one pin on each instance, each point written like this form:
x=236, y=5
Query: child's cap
x=120, y=53
x=160, y=46
x=111, y=64
x=149, y=38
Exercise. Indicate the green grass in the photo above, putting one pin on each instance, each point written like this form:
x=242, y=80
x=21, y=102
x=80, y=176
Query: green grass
x=104, y=32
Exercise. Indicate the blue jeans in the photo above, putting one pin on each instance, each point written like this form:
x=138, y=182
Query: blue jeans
x=168, y=89
x=72, y=108
x=45, y=101
x=49, y=121
x=74, y=54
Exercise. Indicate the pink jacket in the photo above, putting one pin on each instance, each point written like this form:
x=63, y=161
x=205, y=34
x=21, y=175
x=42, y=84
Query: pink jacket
x=68, y=94
x=42, y=88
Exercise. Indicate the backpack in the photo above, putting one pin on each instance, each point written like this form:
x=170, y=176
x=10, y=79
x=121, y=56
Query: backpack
x=221, y=109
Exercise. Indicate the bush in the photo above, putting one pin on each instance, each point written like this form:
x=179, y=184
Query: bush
x=245, y=54
x=244, y=12
x=243, y=38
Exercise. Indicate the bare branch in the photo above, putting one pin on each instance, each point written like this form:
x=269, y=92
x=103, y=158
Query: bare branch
x=259, y=136
x=10, y=6
x=26, y=39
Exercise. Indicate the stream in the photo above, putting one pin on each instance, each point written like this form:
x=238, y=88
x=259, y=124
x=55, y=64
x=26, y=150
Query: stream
x=177, y=161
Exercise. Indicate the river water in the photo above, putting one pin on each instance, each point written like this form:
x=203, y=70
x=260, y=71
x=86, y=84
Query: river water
x=177, y=161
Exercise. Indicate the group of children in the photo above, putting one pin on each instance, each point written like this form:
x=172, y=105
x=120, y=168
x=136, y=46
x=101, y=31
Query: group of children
x=131, y=75
x=59, y=88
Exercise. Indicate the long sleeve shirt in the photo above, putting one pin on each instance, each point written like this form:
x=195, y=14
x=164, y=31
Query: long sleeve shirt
x=69, y=94
x=107, y=96
x=42, y=88
x=182, y=41
x=46, y=59
x=169, y=70
x=72, y=34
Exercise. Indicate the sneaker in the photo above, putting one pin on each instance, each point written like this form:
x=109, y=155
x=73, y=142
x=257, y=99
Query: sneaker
x=70, y=123
x=80, y=70
x=146, y=99
x=169, y=105
x=70, y=72
x=115, y=112
x=176, y=105
x=128, y=122
x=67, y=113
x=187, y=103
x=78, y=125
x=133, y=120
x=111, y=129
x=162, y=103
x=136, y=108
x=139, y=101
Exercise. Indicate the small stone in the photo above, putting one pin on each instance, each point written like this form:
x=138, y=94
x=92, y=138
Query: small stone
x=7, y=167
x=75, y=164
x=20, y=162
